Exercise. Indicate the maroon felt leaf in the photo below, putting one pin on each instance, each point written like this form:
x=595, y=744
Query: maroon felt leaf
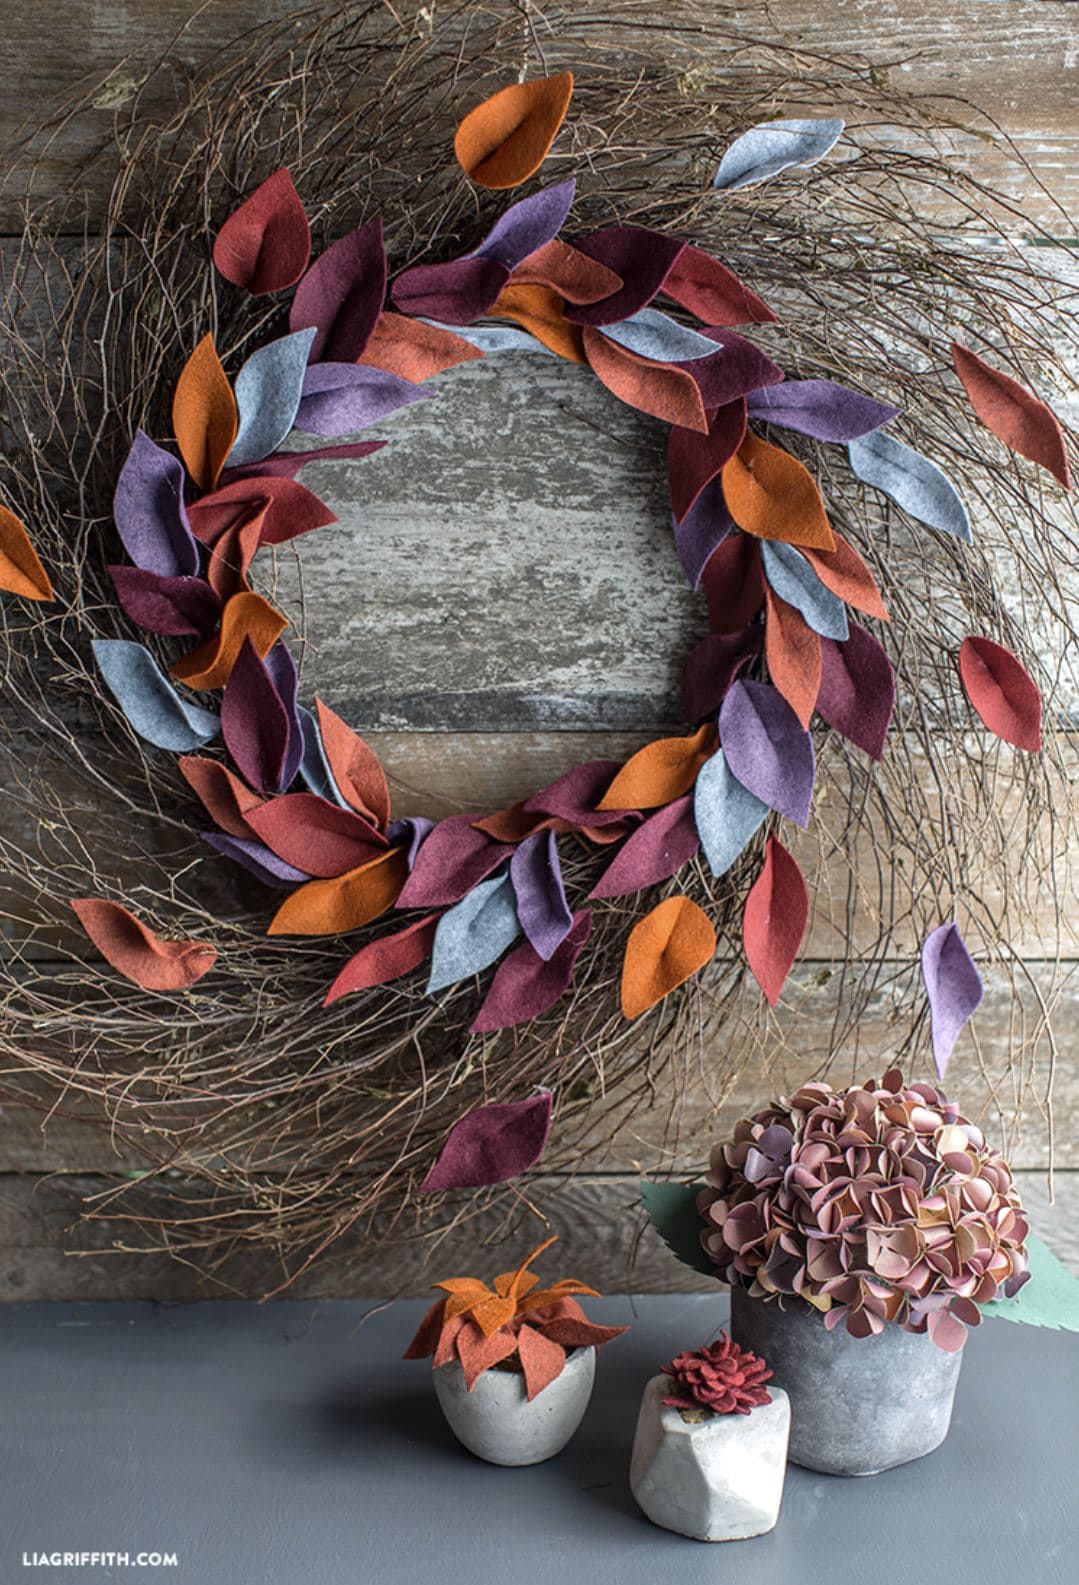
x=288, y=509
x=733, y=583
x=694, y=460
x=642, y=258
x=654, y=852
x=712, y=291
x=316, y=835
x=1002, y=691
x=287, y=464
x=388, y=958
x=265, y=244
x=178, y=607
x=492, y=1144
x=454, y=858
x=573, y=797
x=1015, y=415
x=774, y=921
x=254, y=721
x=857, y=689
x=223, y=795
x=526, y=985
x=734, y=371
x=455, y=293
x=342, y=294
x=713, y=665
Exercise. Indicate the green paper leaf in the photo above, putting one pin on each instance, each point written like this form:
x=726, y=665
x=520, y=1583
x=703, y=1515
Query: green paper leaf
x=1050, y=1298
x=672, y=1208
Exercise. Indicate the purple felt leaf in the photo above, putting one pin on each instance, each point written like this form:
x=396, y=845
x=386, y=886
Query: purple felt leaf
x=574, y=796
x=455, y=293
x=254, y=722
x=736, y=370
x=954, y=988
x=541, y=897
x=820, y=408
x=282, y=670
x=527, y=225
x=341, y=398
x=256, y=858
x=705, y=525
x=857, y=689
x=453, y=859
x=342, y=294
x=712, y=665
x=177, y=607
x=492, y=1144
x=654, y=852
x=148, y=509
x=412, y=832
x=642, y=258
x=767, y=749
x=526, y=986
x=287, y=464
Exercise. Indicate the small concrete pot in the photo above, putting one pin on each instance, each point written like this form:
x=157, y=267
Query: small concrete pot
x=717, y=1479
x=859, y=1405
x=496, y=1421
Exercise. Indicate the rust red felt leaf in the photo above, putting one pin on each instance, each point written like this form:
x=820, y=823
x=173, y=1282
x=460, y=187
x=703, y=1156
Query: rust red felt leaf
x=774, y=919
x=769, y=493
x=315, y=835
x=139, y=953
x=360, y=778
x=664, y=950
x=332, y=907
x=204, y=414
x=265, y=244
x=659, y=389
x=793, y=652
x=414, y=350
x=1002, y=691
x=504, y=140
x=492, y=1144
x=712, y=291
x=1015, y=415
x=541, y=1360
x=21, y=572
x=285, y=509
x=388, y=958
x=846, y=575
x=660, y=772
x=226, y=799
x=572, y=274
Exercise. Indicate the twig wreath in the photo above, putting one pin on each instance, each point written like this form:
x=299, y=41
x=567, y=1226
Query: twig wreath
x=557, y=890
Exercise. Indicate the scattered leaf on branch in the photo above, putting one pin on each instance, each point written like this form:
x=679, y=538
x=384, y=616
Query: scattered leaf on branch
x=265, y=244
x=137, y=952
x=21, y=571
x=505, y=140
x=953, y=986
x=389, y=958
x=268, y=390
x=245, y=616
x=775, y=146
x=1015, y=415
x=774, y=920
x=919, y=486
x=1002, y=691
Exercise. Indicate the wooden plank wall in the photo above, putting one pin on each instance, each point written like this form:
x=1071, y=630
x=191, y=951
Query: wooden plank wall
x=517, y=510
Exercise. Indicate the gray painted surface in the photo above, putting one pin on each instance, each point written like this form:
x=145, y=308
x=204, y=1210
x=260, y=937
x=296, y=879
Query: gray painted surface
x=287, y=1443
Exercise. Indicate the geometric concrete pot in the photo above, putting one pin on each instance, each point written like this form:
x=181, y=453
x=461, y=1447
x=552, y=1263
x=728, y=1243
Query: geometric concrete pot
x=496, y=1421
x=859, y=1405
x=716, y=1479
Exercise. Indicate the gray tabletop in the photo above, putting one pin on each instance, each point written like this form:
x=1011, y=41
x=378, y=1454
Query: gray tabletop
x=289, y=1443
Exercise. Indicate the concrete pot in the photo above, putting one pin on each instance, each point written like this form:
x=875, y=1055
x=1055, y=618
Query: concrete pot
x=859, y=1405
x=718, y=1479
x=496, y=1421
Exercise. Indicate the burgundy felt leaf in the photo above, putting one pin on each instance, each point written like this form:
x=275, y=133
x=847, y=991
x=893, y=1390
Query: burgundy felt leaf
x=573, y=796
x=453, y=859
x=287, y=507
x=694, y=461
x=953, y=986
x=254, y=721
x=642, y=258
x=712, y=291
x=341, y=295
x=492, y=1144
x=1002, y=691
x=767, y=749
x=712, y=665
x=287, y=464
x=139, y=953
x=265, y=244
x=285, y=678
x=733, y=583
x=541, y=896
x=774, y=920
x=1015, y=415
x=316, y=835
x=455, y=293
x=178, y=607
x=526, y=985
x=734, y=371
x=388, y=958
x=654, y=852
x=857, y=689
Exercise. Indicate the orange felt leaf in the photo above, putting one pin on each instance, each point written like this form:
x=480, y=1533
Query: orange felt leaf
x=246, y=615
x=667, y=946
x=223, y=795
x=660, y=772
x=770, y=494
x=522, y=1271
x=793, y=652
x=360, y=778
x=569, y=272
x=413, y=350
x=538, y=310
x=20, y=570
x=844, y=572
x=515, y=1283
x=204, y=415
x=345, y=902
x=137, y=952
x=541, y=1360
x=1015, y=415
x=504, y=140
x=491, y=1314
x=462, y=1293
x=554, y=1295
x=660, y=389
x=774, y=919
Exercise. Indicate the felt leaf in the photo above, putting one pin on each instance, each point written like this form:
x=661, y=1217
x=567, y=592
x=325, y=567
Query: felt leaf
x=923, y=490
x=21, y=571
x=452, y=861
x=246, y=616
x=229, y=563
x=478, y=1353
x=652, y=334
x=857, y=690
x=575, y=796
x=793, y=652
x=516, y=823
x=539, y=311
x=540, y=894
x=528, y=224
x=820, y=408
x=254, y=722
x=770, y=494
x=342, y=294
x=148, y=509
x=713, y=292
x=658, y=389
x=735, y=368
x=149, y=701
x=526, y=985
x=505, y=140
x=256, y=858
x=733, y=583
x=542, y=1360
x=341, y=398
x=315, y=772
x=572, y=1333
x=727, y=814
x=355, y=767
x=411, y=833
x=388, y=958
x=774, y=919
x=178, y=607
x=1002, y=691
x=283, y=674
x=491, y=1145
x=572, y=274
x=265, y=244
x=672, y=1210
x=767, y=749
x=314, y=835
x=415, y=349
x=222, y=794
x=474, y=933
x=660, y=772
x=774, y=146
x=794, y=579
x=664, y=949
x=204, y=417
x=953, y=986
x=500, y=338
x=455, y=293
x=844, y=572
x=427, y=1335
x=694, y=465
x=712, y=665
x=654, y=852
x=1050, y=1298
x=268, y=391
x=1015, y=415
x=333, y=907
x=139, y=953
x=285, y=509
x=642, y=259
x=702, y=531
x=287, y=464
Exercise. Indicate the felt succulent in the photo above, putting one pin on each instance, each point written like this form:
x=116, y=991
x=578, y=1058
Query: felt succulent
x=875, y=1203
x=514, y=1323
x=721, y=1377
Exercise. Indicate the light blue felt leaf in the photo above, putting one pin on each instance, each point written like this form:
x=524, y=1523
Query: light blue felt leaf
x=775, y=146
x=267, y=391
x=953, y=986
x=474, y=932
x=148, y=699
x=1050, y=1298
x=315, y=772
x=726, y=813
x=651, y=334
x=913, y=482
x=794, y=580
x=494, y=338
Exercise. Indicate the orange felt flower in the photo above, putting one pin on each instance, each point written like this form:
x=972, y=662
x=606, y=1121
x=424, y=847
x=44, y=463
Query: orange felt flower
x=505, y=140
x=769, y=493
